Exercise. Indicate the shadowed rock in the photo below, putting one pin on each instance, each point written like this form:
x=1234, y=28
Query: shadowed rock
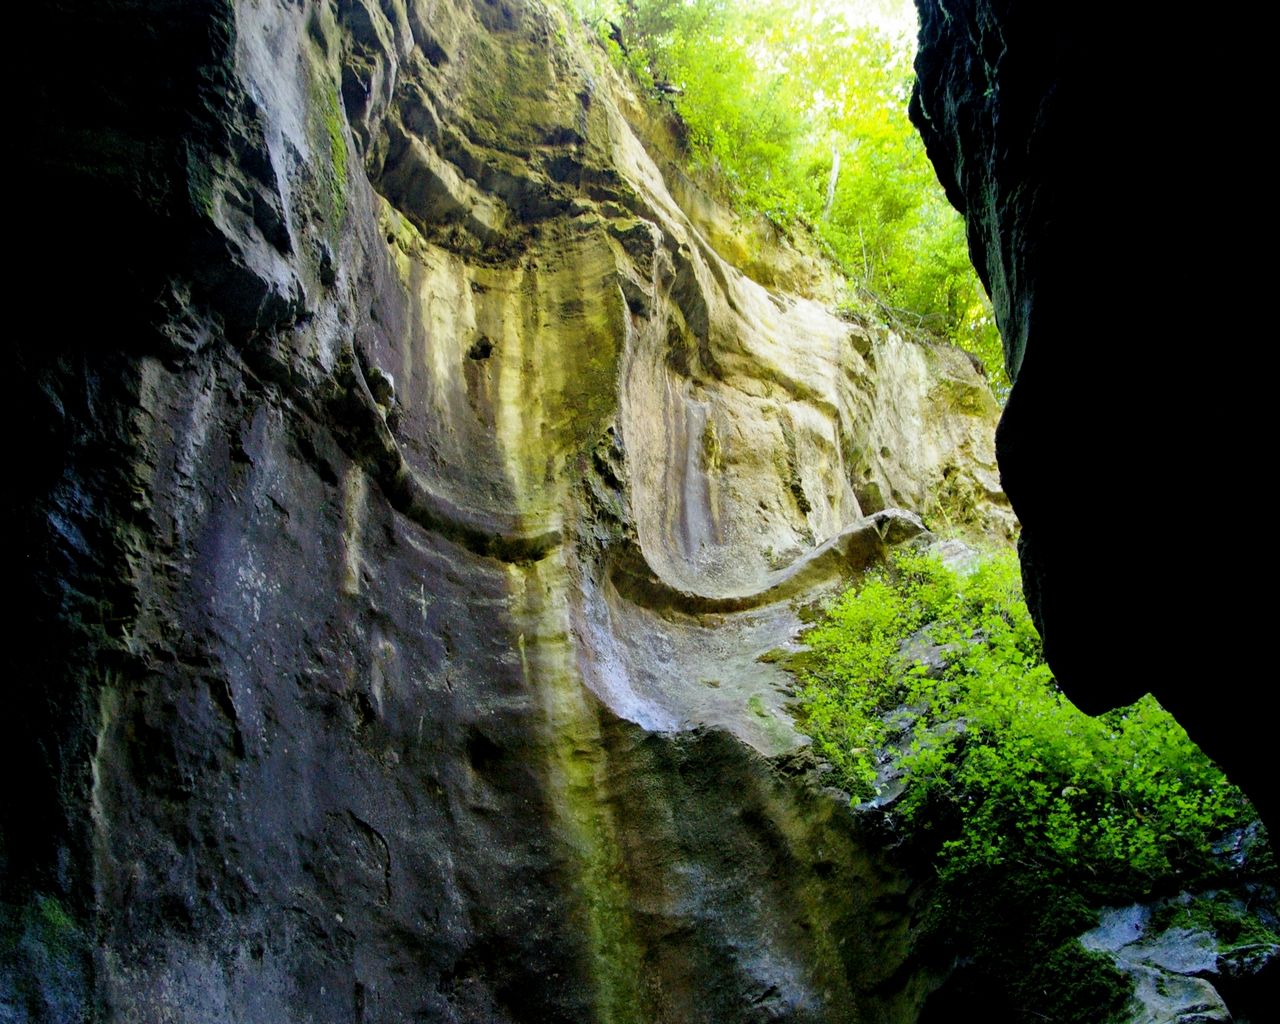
x=1061, y=132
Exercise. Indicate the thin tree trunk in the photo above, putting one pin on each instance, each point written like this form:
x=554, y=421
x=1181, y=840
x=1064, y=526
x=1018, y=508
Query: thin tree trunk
x=831, y=183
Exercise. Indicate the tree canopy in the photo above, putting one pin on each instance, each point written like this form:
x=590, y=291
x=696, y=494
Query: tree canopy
x=798, y=110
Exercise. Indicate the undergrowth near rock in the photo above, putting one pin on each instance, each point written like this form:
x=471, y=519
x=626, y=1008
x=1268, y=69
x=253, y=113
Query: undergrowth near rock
x=927, y=691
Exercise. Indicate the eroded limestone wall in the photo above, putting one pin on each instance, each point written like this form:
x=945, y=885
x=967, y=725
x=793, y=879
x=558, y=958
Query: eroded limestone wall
x=397, y=579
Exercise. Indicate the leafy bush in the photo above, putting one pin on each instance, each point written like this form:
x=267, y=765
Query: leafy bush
x=1033, y=813
x=1126, y=796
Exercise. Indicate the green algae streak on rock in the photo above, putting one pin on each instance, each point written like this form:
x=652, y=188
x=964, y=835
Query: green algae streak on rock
x=409, y=500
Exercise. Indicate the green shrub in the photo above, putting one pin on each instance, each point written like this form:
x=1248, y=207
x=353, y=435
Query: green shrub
x=1032, y=813
x=995, y=744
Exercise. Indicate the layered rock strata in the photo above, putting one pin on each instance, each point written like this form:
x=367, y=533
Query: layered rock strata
x=409, y=486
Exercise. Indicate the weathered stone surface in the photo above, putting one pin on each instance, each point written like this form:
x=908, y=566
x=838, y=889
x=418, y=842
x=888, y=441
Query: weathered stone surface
x=410, y=488
x=1063, y=132
x=1180, y=973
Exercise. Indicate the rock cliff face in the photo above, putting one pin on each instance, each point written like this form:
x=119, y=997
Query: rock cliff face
x=407, y=486
x=1071, y=138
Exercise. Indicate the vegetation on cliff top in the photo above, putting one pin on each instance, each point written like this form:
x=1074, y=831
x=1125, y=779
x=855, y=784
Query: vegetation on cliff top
x=797, y=109
x=1035, y=814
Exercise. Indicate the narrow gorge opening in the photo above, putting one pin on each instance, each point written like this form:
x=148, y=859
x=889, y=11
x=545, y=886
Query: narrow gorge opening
x=512, y=533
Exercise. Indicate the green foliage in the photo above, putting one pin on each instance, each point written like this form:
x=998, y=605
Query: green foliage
x=1031, y=779
x=772, y=95
x=1032, y=812
x=1078, y=986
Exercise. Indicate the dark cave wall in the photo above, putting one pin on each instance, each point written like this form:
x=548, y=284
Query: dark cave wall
x=1103, y=160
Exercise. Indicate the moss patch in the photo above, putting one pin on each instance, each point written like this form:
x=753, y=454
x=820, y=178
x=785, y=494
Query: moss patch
x=575, y=770
x=1219, y=913
x=330, y=139
x=44, y=961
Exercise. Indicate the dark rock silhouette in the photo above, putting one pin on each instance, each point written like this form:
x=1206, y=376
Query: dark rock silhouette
x=1102, y=158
